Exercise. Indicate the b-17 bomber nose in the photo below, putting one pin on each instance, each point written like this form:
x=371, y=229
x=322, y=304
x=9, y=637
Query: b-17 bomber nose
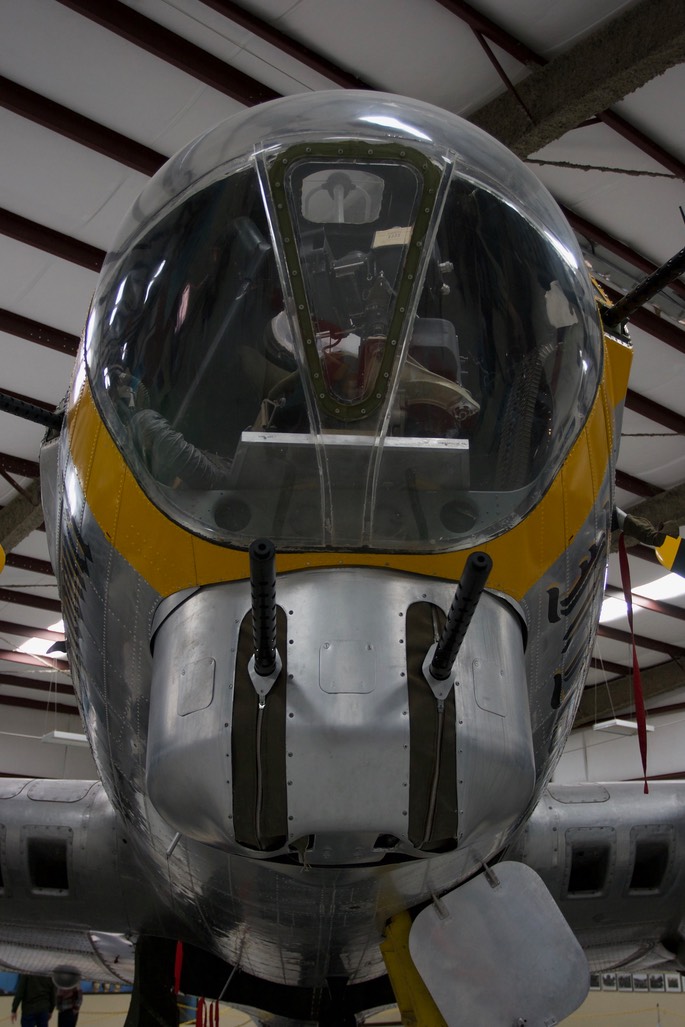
x=362, y=332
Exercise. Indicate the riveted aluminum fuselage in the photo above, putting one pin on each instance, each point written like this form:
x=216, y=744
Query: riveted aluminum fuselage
x=157, y=658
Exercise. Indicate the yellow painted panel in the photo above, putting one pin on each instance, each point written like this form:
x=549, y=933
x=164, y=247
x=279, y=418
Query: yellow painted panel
x=100, y=472
x=84, y=430
x=619, y=357
x=170, y=558
x=668, y=552
x=159, y=549
x=416, y=1006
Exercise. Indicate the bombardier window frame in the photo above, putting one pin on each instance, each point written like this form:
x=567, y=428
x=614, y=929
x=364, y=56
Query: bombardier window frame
x=343, y=153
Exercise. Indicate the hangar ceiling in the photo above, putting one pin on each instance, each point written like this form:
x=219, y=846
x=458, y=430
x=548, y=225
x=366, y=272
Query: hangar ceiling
x=96, y=94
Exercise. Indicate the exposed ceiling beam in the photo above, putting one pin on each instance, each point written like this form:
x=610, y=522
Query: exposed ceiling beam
x=622, y=55
x=174, y=49
x=34, y=331
x=482, y=27
x=654, y=605
x=32, y=599
x=38, y=704
x=21, y=516
x=674, y=707
x=494, y=32
x=19, y=466
x=79, y=129
x=600, y=700
x=29, y=660
x=609, y=666
x=29, y=563
x=37, y=684
x=636, y=485
x=8, y=627
x=676, y=652
x=644, y=142
x=207, y=68
x=270, y=34
x=47, y=239
x=655, y=412
x=515, y=48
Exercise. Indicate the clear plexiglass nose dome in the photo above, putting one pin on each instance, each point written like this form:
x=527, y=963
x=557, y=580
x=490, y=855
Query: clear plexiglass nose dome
x=345, y=320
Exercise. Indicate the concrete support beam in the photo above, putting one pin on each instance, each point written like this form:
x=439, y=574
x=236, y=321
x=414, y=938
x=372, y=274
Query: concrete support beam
x=603, y=68
x=20, y=517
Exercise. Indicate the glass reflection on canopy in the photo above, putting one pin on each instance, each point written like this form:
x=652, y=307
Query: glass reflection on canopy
x=381, y=350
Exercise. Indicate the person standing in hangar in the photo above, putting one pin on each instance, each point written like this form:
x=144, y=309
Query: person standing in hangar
x=37, y=997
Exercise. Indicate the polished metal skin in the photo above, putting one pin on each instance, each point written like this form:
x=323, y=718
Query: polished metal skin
x=624, y=901
x=276, y=822
x=60, y=841
x=347, y=725
x=613, y=858
x=546, y=975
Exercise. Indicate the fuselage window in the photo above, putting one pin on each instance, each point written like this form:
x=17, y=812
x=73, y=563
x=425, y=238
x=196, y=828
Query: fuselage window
x=651, y=864
x=47, y=860
x=589, y=868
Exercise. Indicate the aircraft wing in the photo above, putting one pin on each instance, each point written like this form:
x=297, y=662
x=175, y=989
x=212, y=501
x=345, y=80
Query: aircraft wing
x=72, y=895
x=613, y=859
x=65, y=889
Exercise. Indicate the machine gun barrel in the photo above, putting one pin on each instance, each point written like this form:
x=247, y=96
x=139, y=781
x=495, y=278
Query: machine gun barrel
x=262, y=554
x=644, y=291
x=12, y=404
x=469, y=589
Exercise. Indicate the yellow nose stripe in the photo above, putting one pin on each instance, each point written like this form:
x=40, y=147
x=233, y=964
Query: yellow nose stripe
x=170, y=558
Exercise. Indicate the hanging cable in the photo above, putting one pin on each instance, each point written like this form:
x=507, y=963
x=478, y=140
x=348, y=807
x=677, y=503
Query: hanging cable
x=640, y=714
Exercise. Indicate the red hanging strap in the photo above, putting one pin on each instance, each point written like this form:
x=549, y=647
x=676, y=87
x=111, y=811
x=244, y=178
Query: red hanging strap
x=178, y=966
x=640, y=715
x=200, y=1017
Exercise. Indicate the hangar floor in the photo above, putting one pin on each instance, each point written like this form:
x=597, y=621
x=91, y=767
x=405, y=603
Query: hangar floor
x=600, y=1009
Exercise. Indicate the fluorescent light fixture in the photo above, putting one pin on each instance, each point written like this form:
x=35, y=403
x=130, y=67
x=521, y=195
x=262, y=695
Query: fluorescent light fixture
x=615, y=726
x=65, y=738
